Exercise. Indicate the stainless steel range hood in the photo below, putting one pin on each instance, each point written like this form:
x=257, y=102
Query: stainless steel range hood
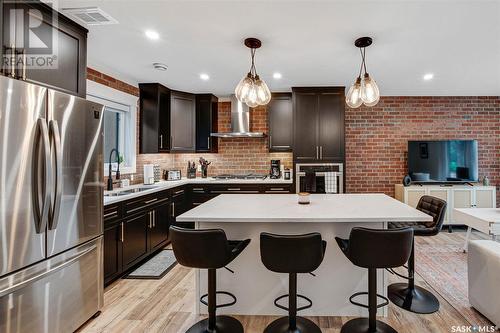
x=240, y=122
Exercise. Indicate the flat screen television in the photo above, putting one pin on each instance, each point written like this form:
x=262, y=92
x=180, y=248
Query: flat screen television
x=443, y=161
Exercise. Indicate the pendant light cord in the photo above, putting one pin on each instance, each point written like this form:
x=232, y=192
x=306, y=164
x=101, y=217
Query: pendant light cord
x=252, y=67
x=363, y=59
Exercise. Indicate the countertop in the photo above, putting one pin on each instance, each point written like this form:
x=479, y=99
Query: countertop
x=326, y=208
x=165, y=185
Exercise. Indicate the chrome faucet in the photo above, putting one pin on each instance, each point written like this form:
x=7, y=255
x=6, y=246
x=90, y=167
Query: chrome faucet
x=110, y=176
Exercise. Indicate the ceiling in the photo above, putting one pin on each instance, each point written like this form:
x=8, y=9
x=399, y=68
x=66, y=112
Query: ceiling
x=309, y=42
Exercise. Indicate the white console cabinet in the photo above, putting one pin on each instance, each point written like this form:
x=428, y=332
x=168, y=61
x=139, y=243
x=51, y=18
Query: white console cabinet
x=457, y=196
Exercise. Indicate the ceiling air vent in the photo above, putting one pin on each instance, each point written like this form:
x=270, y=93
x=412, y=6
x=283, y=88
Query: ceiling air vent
x=90, y=15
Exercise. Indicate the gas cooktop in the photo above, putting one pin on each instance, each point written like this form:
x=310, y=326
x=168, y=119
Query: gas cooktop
x=241, y=176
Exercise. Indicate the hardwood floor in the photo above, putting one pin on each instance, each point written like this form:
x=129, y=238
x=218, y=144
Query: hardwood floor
x=166, y=305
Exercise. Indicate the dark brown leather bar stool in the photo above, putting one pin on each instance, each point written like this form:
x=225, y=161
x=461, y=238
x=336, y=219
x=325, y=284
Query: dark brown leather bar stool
x=407, y=295
x=372, y=249
x=208, y=249
x=292, y=255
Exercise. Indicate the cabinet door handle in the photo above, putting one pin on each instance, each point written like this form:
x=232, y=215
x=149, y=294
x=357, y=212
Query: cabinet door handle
x=171, y=143
x=150, y=201
x=154, y=219
x=122, y=232
x=208, y=143
x=178, y=192
x=161, y=141
x=320, y=152
x=276, y=189
x=150, y=220
x=113, y=213
x=234, y=189
x=270, y=141
x=173, y=209
x=317, y=152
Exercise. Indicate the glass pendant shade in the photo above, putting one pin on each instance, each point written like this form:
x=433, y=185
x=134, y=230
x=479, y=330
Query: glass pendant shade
x=370, y=94
x=262, y=91
x=251, y=99
x=243, y=88
x=353, y=98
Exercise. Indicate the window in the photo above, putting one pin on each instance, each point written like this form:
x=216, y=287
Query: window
x=119, y=125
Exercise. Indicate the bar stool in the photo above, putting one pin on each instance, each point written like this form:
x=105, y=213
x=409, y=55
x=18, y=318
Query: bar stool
x=208, y=249
x=407, y=295
x=292, y=255
x=372, y=249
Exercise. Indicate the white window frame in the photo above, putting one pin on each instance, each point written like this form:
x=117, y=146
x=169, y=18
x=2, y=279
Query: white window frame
x=117, y=99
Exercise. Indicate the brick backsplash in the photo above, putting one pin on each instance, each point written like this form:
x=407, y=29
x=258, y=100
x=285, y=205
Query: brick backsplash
x=235, y=155
x=376, y=138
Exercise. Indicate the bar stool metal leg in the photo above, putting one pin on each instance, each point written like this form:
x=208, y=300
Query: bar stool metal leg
x=411, y=297
x=370, y=324
x=292, y=323
x=214, y=323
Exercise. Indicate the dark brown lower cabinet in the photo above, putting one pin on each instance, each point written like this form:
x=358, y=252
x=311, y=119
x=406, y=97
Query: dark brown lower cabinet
x=112, y=252
x=138, y=228
x=180, y=204
x=158, y=233
x=135, y=239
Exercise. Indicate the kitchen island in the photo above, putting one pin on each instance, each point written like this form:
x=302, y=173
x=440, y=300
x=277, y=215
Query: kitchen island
x=246, y=216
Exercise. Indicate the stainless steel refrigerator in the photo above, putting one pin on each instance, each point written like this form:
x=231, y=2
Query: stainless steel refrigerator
x=51, y=208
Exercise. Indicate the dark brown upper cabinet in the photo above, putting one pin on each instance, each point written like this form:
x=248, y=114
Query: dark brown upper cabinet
x=183, y=122
x=318, y=133
x=58, y=60
x=206, y=123
x=280, y=122
x=154, y=128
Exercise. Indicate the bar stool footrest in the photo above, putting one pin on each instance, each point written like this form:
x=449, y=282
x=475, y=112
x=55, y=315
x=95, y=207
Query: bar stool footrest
x=298, y=296
x=384, y=303
x=203, y=301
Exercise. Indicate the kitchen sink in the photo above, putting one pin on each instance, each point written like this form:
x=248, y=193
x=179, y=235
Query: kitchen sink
x=119, y=193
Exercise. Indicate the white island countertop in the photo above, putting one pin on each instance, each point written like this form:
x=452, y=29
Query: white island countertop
x=284, y=208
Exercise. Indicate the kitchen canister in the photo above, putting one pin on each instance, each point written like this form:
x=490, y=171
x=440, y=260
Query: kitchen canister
x=149, y=174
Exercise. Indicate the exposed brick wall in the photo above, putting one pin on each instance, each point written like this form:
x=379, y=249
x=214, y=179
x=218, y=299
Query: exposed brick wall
x=376, y=138
x=236, y=155
x=111, y=82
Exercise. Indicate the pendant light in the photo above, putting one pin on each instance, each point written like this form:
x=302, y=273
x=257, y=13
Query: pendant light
x=363, y=91
x=252, y=90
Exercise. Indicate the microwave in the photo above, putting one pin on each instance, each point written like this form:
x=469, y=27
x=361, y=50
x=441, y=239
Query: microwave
x=334, y=182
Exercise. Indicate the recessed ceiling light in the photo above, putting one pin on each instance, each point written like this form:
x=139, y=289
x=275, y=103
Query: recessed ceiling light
x=277, y=76
x=428, y=76
x=151, y=34
x=159, y=66
x=204, y=76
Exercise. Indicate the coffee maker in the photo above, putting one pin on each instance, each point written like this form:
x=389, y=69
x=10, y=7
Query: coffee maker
x=275, y=172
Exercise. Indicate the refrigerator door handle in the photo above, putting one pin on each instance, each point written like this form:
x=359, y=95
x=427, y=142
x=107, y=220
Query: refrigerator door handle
x=56, y=145
x=69, y=261
x=41, y=141
x=13, y=58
